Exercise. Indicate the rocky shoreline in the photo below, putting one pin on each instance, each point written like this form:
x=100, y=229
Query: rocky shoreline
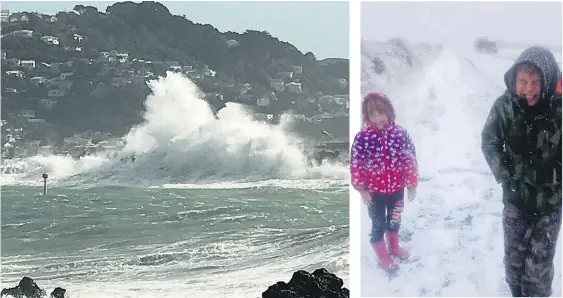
x=303, y=284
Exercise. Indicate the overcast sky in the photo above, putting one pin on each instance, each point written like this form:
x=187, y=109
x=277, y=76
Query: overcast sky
x=463, y=22
x=303, y=24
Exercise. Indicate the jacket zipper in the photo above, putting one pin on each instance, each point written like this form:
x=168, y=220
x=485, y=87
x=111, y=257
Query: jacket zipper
x=385, y=159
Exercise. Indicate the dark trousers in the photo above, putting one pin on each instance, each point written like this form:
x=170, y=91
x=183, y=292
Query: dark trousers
x=529, y=249
x=385, y=212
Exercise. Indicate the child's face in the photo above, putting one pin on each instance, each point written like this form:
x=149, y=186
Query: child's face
x=376, y=117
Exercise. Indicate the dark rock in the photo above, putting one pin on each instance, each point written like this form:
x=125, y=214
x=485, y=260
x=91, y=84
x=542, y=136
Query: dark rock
x=305, y=285
x=58, y=292
x=26, y=288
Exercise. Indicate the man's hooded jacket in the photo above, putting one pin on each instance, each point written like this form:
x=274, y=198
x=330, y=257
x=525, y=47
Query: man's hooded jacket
x=522, y=144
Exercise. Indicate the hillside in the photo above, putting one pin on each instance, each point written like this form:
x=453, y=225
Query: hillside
x=85, y=70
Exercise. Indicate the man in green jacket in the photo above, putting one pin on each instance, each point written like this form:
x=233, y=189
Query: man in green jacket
x=521, y=142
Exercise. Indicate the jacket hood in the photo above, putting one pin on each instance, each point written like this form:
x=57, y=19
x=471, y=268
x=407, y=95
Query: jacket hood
x=544, y=60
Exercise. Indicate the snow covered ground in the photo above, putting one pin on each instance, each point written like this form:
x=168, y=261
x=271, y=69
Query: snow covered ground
x=454, y=225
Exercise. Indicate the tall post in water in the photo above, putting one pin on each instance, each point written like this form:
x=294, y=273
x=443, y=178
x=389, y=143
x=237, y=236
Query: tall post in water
x=45, y=176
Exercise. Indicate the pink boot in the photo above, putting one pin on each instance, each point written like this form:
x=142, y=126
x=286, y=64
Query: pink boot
x=394, y=248
x=385, y=260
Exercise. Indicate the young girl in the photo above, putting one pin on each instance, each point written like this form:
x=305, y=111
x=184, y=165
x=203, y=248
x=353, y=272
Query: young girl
x=382, y=163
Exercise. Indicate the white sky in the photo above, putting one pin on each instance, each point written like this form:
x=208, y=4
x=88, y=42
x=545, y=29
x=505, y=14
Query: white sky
x=463, y=22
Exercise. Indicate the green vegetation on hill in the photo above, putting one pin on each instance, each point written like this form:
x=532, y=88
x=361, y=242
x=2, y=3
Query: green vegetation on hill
x=102, y=60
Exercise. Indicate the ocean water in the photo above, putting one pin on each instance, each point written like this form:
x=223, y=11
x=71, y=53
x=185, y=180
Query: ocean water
x=211, y=242
x=209, y=208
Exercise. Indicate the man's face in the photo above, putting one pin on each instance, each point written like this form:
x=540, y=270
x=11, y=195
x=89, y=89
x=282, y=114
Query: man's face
x=528, y=85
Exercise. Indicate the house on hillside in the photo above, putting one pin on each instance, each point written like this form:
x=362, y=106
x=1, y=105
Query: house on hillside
x=56, y=93
x=297, y=69
x=19, y=17
x=16, y=73
x=232, y=43
x=38, y=80
x=294, y=87
x=263, y=102
x=277, y=84
x=77, y=37
x=27, y=114
x=23, y=33
x=29, y=64
x=48, y=103
x=287, y=75
x=49, y=39
x=5, y=15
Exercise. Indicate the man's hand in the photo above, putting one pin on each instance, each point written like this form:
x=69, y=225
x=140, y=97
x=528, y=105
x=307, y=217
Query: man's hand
x=366, y=197
x=411, y=193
